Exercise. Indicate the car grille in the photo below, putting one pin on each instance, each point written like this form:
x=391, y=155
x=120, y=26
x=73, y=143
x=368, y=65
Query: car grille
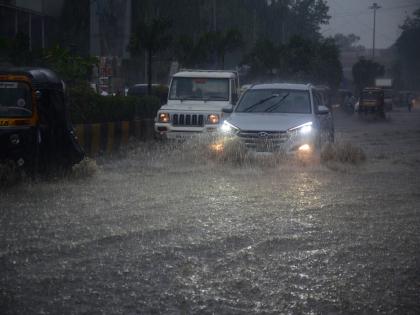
x=264, y=141
x=188, y=120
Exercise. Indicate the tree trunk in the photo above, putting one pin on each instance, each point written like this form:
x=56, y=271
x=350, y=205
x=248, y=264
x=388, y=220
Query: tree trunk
x=149, y=73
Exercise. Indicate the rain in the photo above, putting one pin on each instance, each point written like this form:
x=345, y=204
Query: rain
x=161, y=226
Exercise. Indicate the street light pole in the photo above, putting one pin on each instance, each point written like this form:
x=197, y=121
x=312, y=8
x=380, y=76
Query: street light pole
x=374, y=7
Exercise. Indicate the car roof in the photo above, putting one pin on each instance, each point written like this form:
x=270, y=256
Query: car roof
x=281, y=86
x=205, y=74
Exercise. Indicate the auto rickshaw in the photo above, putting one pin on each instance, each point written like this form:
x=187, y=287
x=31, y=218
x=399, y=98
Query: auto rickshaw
x=372, y=101
x=35, y=127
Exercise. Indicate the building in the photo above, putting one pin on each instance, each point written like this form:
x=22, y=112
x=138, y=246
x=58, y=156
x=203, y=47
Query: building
x=110, y=31
x=31, y=17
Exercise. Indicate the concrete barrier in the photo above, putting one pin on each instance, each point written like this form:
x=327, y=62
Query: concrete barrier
x=110, y=137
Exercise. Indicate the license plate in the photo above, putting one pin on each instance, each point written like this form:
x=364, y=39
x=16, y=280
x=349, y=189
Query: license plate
x=179, y=135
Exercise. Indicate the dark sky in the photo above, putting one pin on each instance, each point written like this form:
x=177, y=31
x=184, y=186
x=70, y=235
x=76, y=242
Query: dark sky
x=354, y=16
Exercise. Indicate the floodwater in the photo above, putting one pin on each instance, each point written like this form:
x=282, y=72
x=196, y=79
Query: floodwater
x=158, y=230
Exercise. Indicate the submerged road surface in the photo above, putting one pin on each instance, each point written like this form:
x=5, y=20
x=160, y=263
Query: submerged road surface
x=160, y=231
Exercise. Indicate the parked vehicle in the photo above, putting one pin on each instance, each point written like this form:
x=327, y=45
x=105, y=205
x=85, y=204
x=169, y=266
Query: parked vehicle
x=35, y=128
x=158, y=90
x=279, y=117
x=195, y=102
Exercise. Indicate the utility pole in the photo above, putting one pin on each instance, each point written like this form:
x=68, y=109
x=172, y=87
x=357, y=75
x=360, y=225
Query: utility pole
x=374, y=7
x=214, y=16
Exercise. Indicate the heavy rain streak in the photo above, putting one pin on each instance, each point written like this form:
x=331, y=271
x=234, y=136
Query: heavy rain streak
x=209, y=157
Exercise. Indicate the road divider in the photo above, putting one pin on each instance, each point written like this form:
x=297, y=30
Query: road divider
x=109, y=137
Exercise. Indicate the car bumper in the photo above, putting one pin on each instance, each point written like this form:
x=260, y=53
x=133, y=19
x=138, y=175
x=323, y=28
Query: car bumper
x=288, y=145
x=167, y=131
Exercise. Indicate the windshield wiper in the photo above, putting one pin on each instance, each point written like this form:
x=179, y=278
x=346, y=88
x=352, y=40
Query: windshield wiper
x=261, y=102
x=274, y=106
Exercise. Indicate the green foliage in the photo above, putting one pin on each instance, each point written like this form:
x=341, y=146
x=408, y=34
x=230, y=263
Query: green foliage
x=264, y=58
x=327, y=66
x=365, y=72
x=152, y=37
x=72, y=68
x=74, y=26
x=254, y=19
x=88, y=107
x=299, y=60
x=210, y=48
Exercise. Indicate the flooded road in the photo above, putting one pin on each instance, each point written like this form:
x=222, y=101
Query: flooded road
x=159, y=231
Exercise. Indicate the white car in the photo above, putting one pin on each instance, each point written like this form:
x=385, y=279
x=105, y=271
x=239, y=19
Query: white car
x=280, y=117
x=195, y=103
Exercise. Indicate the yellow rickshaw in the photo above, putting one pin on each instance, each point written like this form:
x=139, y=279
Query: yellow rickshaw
x=35, y=129
x=372, y=101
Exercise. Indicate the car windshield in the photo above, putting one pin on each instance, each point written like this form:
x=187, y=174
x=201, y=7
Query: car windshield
x=275, y=101
x=15, y=99
x=199, y=89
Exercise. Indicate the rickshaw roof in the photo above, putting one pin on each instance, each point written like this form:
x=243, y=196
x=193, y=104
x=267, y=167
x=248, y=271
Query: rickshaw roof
x=41, y=78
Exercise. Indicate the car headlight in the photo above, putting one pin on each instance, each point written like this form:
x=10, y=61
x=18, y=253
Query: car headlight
x=164, y=117
x=228, y=128
x=213, y=119
x=303, y=129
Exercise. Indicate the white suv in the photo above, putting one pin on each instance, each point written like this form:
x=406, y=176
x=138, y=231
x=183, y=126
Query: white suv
x=275, y=117
x=195, y=102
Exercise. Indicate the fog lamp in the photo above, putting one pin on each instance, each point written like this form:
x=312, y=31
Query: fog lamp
x=305, y=148
x=164, y=117
x=213, y=119
x=217, y=147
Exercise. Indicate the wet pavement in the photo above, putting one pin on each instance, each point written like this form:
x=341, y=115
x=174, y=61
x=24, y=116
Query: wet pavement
x=162, y=231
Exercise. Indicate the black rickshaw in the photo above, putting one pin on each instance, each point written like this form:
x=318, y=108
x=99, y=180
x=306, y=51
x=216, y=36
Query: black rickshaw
x=35, y=128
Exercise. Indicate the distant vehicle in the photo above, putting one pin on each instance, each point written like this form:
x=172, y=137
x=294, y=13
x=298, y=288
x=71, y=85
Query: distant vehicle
x=158, y=90
x=35, y=128
x=279, y=117
x=195, y=102
x=372, y=101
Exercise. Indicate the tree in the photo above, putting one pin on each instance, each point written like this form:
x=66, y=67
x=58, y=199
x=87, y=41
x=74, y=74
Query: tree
x=218, y=44
x=306, y=17
x=408, y=47
x=74, y=32
x=152, y=37
x=185, y=51
x=327, y=66
x=299, y=60
x=300, y=56
x=71, y=67
x=264, y=58
x=365, y=72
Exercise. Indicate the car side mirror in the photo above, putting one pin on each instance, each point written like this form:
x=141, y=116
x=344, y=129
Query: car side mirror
x=38, y=95
x=228, y=110
x=322, y=110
